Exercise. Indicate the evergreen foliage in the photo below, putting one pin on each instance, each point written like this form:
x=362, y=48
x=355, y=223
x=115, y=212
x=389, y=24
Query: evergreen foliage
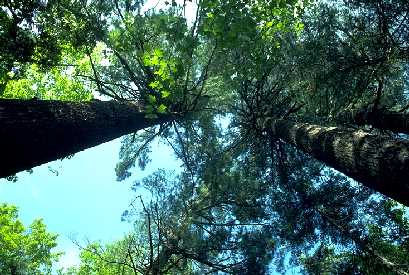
x=245, y=202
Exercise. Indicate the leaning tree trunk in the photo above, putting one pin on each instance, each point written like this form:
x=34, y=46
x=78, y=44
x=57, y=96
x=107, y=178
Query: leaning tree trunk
x=379, y=162
x=397, y=122
x=33, y=132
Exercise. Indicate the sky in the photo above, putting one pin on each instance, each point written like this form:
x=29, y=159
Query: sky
x=79, y=198
x=84, y=201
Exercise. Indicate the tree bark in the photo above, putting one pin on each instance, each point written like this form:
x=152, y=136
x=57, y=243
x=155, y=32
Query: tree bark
x=382, y=119
x=379, y=118
x=380, y=163
x=33, y=132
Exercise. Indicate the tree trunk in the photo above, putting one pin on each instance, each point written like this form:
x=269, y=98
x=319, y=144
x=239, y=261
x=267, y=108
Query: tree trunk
x=33, y=132
x=379, y=162
x=379, y=118
x=383, y=119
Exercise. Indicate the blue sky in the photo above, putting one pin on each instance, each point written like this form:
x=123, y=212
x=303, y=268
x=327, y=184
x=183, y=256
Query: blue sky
x=84, y=201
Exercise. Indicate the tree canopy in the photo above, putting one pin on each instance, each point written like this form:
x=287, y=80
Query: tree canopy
x=263, y=100
x=25, y=250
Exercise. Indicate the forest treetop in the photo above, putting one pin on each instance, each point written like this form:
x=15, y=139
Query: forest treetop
x=295, y=80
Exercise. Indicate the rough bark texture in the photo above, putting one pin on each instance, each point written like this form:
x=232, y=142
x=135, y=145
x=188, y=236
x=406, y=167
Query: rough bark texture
x=33, y=132
x=379, y=118
x=396, y=122
x=379, y=162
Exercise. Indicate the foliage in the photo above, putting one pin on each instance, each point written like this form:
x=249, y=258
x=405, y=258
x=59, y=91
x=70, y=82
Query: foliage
x=34, y=32
x=24, y=250
x=244, y=199
x=19, y=41
x=54, y=84
x=313, y=76
x=350, y=56
x=385, y=250
x=95, y=260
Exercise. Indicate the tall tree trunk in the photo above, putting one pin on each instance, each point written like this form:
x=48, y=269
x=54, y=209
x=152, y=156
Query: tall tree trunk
x=33, y=132
x=397, y=122
x=379, y=162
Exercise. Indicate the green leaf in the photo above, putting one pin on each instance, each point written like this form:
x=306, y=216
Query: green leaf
x=154, y=60
x=165, y=94
x=158, y=53
x=162, y=109
x=155, y=84
x=160, y=73
x=10, y=74
x=28, y=248
x=151, y=99
x=147, y=60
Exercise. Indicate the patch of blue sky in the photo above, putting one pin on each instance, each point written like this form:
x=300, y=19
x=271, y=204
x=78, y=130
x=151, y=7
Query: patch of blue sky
x=84, y=202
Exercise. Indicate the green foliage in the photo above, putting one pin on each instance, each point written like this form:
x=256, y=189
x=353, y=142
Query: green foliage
x=262, y=182
x=19, y=42
x=164, y=81
x=97, y=260
x=385, y=250
x=24, y=250
x=342, y=61
x=56, y=84
x=243, y=199
x=36, y=32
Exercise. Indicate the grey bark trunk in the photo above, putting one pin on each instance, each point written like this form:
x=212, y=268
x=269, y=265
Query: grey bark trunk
x=33, y=132
x=379, y=162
